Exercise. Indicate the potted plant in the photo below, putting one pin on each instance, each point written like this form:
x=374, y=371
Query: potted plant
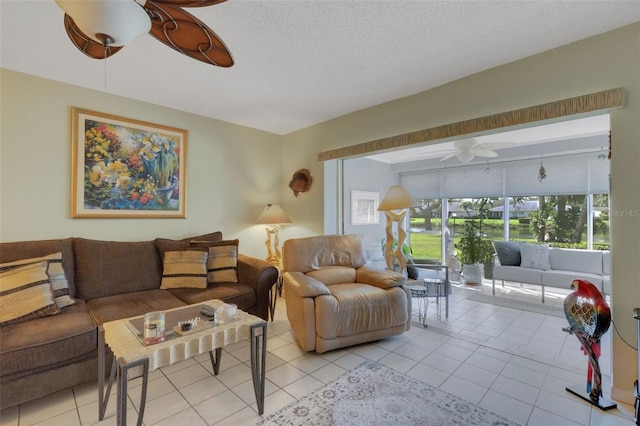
x=474, y=251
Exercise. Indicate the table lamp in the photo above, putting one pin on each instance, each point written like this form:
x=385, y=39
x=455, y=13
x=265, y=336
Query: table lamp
x=395, y=204
x=273, y=216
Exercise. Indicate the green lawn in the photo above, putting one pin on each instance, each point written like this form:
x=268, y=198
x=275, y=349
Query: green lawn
x=428, y=245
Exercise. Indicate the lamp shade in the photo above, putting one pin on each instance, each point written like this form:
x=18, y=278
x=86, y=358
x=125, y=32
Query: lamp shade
x=273, y=215
x=121, y=20
x=397, y=198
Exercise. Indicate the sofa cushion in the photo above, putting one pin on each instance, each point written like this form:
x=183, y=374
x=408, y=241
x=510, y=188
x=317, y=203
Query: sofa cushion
x=240, y=294
x=381, y=278
x=184, y=269
x=359, y=308
x=606, y=284
x=562, y=279
x=334, y=275
x=26, y=294
x=10, y=252
x=589, y=261
x=42, y=343
x=106, y=268
x=56, y=273
x=518, y=274
x=119, y=306
x=535, y=256
x=508, y=252
x=606, y=262
x=165, y=244
x=306, y=254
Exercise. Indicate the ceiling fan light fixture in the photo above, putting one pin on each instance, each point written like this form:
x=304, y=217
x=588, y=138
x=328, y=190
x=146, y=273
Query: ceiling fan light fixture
x=465, y=156
x=118, y=21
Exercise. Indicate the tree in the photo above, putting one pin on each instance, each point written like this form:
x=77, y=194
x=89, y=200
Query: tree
x=539, y=219
x=426, y=209
x=560, y=218
x=581, y=223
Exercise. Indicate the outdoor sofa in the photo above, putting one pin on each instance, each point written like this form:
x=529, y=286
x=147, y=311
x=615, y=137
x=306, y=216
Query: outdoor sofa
x=547, y=266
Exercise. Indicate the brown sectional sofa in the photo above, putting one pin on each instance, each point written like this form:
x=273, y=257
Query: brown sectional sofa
x=109, y=280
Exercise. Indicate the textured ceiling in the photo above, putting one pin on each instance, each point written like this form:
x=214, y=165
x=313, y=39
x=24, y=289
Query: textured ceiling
x=298, y=62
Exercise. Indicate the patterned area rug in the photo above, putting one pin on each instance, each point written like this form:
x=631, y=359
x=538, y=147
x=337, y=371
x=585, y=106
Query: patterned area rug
x=374, y=394
x=517, y=304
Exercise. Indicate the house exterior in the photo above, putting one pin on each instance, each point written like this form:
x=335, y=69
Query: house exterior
x=519, y=210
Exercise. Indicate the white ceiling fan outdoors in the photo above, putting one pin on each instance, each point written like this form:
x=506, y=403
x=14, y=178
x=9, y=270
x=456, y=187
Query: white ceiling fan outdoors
x=466, y=149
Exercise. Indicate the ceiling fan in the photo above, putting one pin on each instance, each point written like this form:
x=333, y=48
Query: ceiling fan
x=466, y=149
x=100, y=28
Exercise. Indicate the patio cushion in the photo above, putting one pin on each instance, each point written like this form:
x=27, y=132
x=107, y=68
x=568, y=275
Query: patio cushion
x=518, y=274
x=508, y=252
x=535, y=256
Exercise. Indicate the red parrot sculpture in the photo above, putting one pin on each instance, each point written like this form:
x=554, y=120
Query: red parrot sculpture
x=589, y=318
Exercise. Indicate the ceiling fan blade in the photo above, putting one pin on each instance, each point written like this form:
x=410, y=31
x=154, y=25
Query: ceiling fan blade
x=189, y=3
x=465, y=143
x=446, y=157
x=188, y=35
x=86, y=44
x=496, y=145
x=484, y=152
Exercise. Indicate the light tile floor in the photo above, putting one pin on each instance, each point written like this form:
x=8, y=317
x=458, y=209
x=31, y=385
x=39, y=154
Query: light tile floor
x=516, y=363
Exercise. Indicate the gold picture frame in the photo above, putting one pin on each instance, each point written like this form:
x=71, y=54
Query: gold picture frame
x=125, y=168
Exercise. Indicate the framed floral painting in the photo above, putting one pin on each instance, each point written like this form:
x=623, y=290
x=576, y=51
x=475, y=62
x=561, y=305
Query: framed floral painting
x=126, y=168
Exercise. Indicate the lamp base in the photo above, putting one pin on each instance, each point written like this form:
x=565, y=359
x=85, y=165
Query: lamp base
x=274, y=256
x=602, y=403
x=396, y=260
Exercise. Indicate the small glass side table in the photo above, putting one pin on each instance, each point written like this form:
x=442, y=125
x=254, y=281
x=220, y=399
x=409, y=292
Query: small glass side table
x=431, y=287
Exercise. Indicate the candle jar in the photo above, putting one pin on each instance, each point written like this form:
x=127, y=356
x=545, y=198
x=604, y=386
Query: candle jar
x=154, y=328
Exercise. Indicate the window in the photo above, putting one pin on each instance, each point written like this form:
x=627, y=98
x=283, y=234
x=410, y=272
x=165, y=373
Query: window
x=425, y=229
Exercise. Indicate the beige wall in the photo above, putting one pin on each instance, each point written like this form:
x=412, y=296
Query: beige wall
x=603, y=62
x=232, y=172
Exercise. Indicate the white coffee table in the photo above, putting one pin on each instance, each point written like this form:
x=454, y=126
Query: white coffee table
x=125, y=340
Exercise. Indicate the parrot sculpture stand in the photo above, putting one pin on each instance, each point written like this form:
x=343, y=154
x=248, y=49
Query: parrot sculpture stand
x=589, y=318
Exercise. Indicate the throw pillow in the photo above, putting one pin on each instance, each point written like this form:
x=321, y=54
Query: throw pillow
x=535, y=256
x=412, y=273
x=26, y=293
x=57, y=277
x=508, y=252
x=222, y=266
x=184, y=269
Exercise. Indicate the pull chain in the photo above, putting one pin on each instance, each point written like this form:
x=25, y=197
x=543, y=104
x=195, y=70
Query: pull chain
x=106, y=47
x=106, y=40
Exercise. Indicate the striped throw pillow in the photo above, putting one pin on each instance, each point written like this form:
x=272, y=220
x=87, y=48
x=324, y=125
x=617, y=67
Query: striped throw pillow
x=222, y=266
x=26, y=293
x=184, y=269
x=56, y=276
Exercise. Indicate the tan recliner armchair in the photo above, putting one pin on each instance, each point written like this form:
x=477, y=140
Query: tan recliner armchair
x=334, y=301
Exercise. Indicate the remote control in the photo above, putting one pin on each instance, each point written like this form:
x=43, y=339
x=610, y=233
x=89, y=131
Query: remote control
x=210, y=312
